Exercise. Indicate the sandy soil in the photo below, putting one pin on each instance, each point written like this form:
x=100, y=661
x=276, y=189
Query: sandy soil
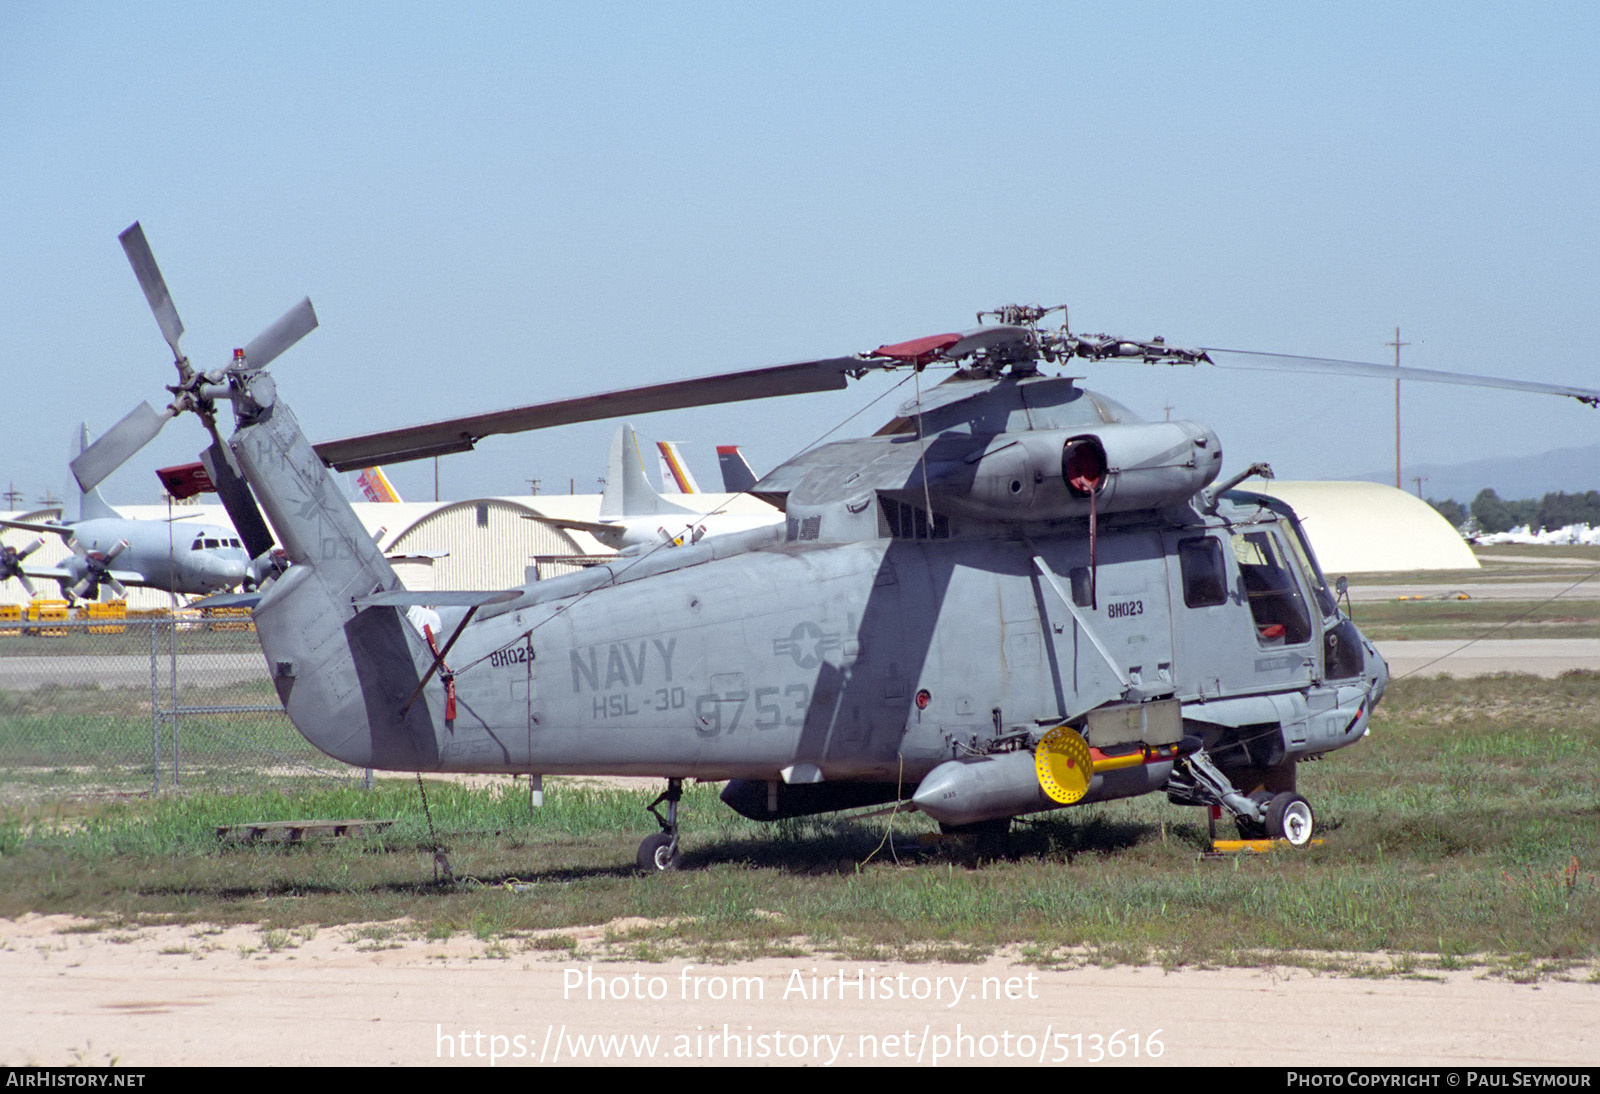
x=182, y=995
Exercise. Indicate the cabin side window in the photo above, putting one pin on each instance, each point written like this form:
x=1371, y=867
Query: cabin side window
x=1205, y=578
x=1275, y=602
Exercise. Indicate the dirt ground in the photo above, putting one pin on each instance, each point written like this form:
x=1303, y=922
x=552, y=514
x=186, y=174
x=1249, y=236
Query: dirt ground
x=363, y=996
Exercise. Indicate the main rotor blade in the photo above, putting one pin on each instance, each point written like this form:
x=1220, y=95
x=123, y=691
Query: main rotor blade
x=460, y=434
x=1290, y=363
x=154, y=285
x=292, y=326
x=121, y=441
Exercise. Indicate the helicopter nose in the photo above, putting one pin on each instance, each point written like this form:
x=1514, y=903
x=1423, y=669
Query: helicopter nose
x=1380, y=674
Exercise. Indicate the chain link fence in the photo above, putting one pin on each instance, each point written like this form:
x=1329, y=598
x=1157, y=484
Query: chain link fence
x=145, y=704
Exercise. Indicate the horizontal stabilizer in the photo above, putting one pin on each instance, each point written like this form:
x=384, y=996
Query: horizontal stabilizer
x=594, y=528
x=405, y=598
x=227, y=600
x=62, y=530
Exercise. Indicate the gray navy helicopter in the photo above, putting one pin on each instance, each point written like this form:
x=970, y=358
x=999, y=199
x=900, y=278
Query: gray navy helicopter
x=1016, y=596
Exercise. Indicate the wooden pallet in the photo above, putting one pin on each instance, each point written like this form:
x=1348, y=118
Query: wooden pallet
x=298, y=831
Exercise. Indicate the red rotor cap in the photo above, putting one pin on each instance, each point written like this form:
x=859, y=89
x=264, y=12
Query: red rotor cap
x=918, y=351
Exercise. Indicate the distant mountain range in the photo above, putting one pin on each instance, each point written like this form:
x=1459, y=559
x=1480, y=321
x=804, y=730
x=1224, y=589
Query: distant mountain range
x=1573, y=470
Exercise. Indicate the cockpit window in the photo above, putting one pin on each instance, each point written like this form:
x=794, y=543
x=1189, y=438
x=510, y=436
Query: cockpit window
x=1310, y=571
x=1275, y=602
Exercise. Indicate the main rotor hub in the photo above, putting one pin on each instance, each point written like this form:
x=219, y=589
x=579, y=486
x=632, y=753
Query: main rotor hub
x=1024, y=315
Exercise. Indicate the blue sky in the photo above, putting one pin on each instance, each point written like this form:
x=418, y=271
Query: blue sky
x=493, y=205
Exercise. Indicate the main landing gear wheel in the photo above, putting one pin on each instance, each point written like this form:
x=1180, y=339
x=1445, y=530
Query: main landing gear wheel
x=1289, y=818
x=659, y=852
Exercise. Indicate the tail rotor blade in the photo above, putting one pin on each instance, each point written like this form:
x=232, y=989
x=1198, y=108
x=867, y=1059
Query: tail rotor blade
x=153, y=284
x=294, y=325
x=125, y=438
x=237, y=499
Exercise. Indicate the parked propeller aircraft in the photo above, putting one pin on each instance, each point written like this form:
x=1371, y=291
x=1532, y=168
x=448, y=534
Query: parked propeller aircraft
x=110, y=552
x=634, y=517
x=1016, y=596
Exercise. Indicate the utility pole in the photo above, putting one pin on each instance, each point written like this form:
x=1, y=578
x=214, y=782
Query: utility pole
x=1419, y=480
x=1397, y=344
x=533, y=485
x=12, y=495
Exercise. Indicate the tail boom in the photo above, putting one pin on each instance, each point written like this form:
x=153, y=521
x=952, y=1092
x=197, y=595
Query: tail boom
x=345, y=675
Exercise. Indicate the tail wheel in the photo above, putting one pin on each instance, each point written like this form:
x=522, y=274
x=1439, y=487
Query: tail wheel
x=1289, y=818
x=657, y=854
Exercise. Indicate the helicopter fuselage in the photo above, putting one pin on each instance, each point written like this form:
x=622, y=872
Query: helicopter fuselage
x=863, y=642
x=1016, y=595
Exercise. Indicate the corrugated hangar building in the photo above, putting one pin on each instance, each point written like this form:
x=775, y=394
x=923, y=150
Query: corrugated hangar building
x=1366, y=527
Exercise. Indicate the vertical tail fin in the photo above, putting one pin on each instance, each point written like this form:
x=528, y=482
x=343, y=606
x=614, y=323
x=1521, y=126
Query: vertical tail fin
x=628, y=493
x=91, y=505
x=376, y=487
x=676, y=478
x=736, y=474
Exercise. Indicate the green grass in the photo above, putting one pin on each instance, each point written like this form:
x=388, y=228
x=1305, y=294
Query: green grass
x=1452, y=619
x=1539, y=551
x=1502, y=562
x=58, y=724
x=1468, y=824
x=101, y=739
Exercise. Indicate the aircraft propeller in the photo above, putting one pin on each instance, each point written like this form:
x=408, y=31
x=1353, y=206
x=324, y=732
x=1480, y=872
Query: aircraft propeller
x=98, y=572
x=11, y=563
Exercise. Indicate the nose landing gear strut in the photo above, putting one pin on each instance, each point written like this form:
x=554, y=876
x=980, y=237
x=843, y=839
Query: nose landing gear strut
x=659, y=852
